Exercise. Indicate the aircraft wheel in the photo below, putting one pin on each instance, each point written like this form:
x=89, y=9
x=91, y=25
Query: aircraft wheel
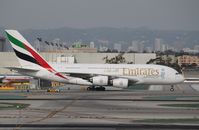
x=92, y=88
x=103, y=88
x=89, y=89
x=100, y=88
x=172, y=88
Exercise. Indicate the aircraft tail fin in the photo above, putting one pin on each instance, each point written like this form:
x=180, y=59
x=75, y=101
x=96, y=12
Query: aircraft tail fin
x=27, y=56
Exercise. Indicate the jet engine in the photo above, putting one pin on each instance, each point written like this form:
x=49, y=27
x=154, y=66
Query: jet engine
x=100, y=80
x=120, y=83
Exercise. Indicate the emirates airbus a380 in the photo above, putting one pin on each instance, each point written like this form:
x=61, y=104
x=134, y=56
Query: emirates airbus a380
x=116, y=75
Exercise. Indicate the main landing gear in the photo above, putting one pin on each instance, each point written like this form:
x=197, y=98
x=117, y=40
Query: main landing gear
x=172, y=88
x=93, y=88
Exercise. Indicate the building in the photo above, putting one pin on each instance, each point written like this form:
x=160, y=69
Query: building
x=81, y=50
x=141, y=46
x=117, y=47
x=188, y=60
x=135, y=46
x=78, y=47
x=103, y=48
x=148, y=49
x=159, y=45
x=190, y=51
x=66, y=59
x=169, y=58
x=92, y=45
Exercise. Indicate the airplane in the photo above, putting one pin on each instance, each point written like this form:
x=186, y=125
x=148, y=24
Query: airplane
x=96, y=76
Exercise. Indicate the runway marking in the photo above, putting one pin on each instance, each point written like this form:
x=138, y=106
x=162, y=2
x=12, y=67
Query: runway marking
x=51, y=114
x=178, y=87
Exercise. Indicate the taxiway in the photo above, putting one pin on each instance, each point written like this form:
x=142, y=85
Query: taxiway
x=76, y=107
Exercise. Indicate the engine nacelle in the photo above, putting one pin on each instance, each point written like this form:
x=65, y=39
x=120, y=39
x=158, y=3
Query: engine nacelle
x=100, y=80
x=120, y=83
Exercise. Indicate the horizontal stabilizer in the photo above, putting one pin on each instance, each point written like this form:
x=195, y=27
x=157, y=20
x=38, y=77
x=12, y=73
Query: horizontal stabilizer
x=2, y=77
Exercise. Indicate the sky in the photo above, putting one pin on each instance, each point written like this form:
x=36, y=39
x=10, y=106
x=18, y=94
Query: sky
x=49, y=14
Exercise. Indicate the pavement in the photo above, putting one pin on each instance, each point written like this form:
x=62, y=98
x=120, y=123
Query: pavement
x=102, y=108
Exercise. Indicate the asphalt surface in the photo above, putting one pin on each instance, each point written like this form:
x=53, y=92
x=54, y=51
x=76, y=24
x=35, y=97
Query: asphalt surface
x=77, y=109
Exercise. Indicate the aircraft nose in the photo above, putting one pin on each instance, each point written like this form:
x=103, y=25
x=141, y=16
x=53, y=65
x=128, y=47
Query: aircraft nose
x=180, y=78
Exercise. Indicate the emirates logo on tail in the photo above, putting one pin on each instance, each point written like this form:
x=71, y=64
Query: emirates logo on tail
x=26, y=52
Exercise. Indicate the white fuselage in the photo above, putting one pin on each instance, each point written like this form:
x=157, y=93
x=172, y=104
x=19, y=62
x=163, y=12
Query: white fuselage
x=134, y=73
x=142, y=73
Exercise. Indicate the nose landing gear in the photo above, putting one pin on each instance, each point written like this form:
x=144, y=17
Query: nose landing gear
x=172, y=88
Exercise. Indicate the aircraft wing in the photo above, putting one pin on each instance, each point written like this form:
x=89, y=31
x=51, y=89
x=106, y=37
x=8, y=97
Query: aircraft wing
x=87, y=76
x=18, y=69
